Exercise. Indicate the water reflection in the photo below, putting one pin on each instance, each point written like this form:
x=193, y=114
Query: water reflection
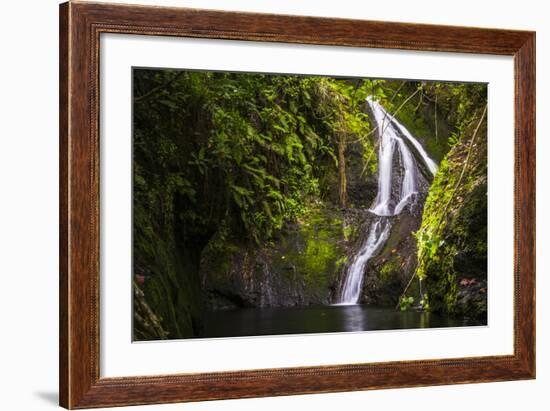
x=303, y=320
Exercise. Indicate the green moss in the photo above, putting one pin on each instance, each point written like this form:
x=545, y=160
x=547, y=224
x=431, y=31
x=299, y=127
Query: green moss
x=452, y=240
x=304, y=260
x=387, y=270
x=318, y=259
x=348, y=230
x=169, y=270
x=342, y=261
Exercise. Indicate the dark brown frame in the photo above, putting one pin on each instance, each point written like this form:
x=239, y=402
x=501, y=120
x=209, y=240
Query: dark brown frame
x=80, y=27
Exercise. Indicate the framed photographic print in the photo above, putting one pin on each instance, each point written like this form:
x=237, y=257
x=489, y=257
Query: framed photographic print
x=256, y=205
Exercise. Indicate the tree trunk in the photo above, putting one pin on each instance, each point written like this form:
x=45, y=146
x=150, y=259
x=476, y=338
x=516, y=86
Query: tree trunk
x=342, y=183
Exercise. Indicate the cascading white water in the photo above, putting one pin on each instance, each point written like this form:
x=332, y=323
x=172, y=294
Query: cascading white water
x=378, y=234
x=391, y=134
x=386, y=147
x=427, y=160
x=408, y=184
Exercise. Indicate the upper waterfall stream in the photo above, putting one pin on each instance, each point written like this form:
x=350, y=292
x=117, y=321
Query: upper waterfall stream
x=392, y=135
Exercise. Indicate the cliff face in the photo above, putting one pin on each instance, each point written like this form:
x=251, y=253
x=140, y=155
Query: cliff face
x=452, y=240
x=167, y=290
x=301, y=267
x=390, y=271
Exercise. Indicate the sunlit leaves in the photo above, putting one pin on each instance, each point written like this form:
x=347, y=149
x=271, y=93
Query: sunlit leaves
x=248, y=147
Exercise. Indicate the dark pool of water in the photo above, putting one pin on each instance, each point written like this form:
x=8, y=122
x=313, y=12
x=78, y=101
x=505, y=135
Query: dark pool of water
x=320, y=319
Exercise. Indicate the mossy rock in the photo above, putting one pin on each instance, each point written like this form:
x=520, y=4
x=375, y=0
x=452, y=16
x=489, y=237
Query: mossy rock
x=171, y=286
x=302, y=266
x=453, y=236
x=388, y=273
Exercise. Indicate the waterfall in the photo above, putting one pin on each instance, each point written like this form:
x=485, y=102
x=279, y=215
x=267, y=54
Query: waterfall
x=378, y=234
x=391, y=140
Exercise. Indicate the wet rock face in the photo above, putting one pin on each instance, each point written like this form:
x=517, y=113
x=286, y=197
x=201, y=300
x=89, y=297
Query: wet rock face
x=388, y=273
x=301, y=267
x=361, y=187
x=472, y=298
x=307, y=263
x=361, y=183
x=251, y=282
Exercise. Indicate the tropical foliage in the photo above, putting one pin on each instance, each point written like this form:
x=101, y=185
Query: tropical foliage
x=225, y=159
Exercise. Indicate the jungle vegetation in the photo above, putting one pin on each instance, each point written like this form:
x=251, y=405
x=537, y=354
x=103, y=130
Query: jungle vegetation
x=225, y=162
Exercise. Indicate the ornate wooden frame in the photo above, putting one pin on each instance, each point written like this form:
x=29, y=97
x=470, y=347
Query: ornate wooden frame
x=80, y=27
